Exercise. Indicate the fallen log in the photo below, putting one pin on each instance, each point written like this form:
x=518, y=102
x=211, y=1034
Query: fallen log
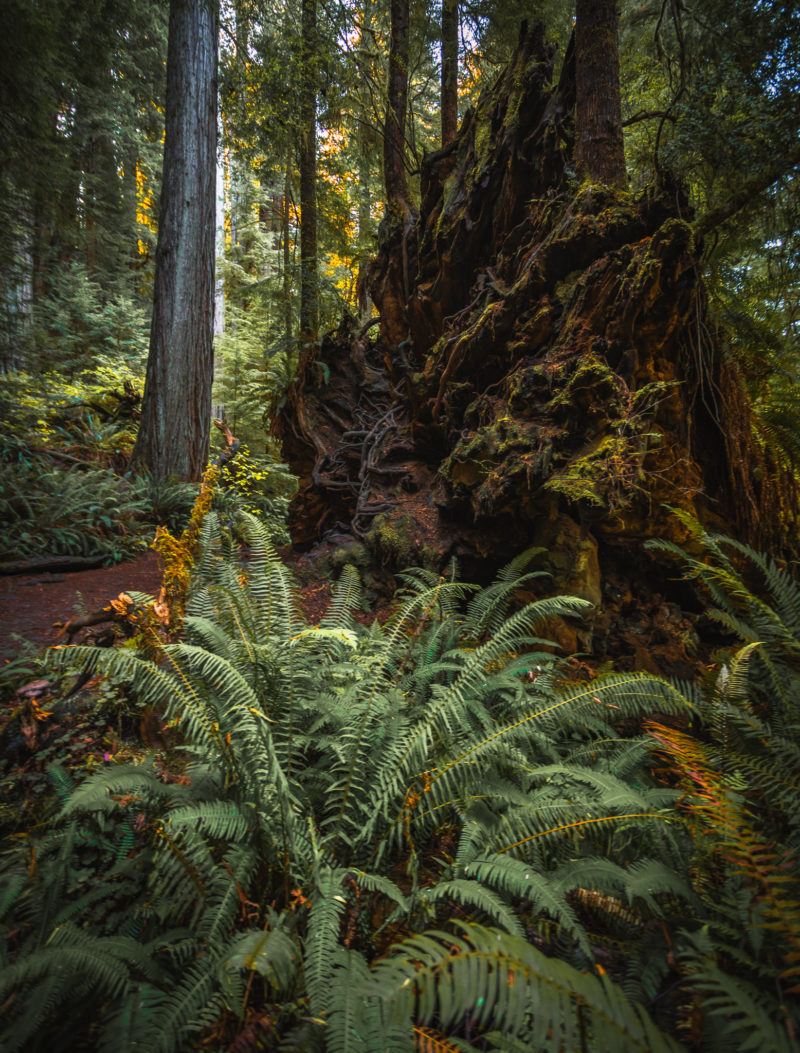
x=44, y=564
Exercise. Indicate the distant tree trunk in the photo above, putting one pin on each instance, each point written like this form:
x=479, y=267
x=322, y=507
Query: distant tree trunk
x=309, y=297
x=449, y=70
x=391, y=292
x=101, y=205
x=394, y=167
x=219, y=242
x=599, y=150
x=285, y=235
x=365, y=247
x=176, y=409
x=129, y=204
x=90, y=206
x=40, y=244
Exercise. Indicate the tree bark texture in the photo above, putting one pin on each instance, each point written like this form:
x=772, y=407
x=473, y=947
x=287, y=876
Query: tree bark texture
x=365, y=245
x=285, y=241
x=599, y=149
x=449, y=70
x=176, y=408
x=390, y=291
x=309, y=282
x=394, y=166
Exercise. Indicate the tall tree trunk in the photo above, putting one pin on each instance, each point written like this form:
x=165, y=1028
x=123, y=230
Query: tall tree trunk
x=449, y=70
x=309, y=294
x=599, y=150
x=366, y=144
x=365, y=247
x=394, y=167
x=391, y=292
x=285, y=235
x=176, y=409
x=219, y=242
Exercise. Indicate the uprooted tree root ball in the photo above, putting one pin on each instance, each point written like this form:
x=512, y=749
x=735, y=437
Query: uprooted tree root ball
x=557, y=374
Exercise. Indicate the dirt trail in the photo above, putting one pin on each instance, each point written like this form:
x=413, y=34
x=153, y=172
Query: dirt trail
x=30, y=604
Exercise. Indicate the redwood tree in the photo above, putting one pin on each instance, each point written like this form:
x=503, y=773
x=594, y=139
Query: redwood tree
x=176, y=409
x=309, y=299
x=449, y=70
x=599, y=150
x=394, y=167
x=390, y=292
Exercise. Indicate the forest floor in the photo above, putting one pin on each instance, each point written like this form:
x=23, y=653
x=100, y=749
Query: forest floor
x=35, y=606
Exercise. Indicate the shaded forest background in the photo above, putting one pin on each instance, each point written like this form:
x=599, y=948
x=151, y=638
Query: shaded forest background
x=459, y=335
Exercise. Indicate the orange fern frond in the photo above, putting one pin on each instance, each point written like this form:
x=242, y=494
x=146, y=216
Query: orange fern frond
x=426, y=1040
x=724, y=822
x=609, y=905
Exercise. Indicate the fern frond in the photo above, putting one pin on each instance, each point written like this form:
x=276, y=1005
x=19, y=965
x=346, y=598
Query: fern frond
x=426, y=1040
x=487, y=610
x=97, y=792
x=504, y=982
x=736, y=1009
x=730, y=834
x=573, y=823
x=185, y=1009
x=346, y=595
x=124, y=1020
x=73, y=958
x=476, y=895
x=269, y=582
x=520, y=880
x=355, y=1023
x=222, y=820
x=322, y=937
x=273, y=954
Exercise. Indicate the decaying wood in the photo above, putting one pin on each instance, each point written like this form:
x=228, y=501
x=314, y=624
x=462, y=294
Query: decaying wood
x=558, y=384
x=122, y=611
x=44, y=564
x=232, y=444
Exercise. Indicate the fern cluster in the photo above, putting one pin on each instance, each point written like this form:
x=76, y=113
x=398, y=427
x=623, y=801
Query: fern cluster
x=740, y=773
x=427, y=789
x=417, y=836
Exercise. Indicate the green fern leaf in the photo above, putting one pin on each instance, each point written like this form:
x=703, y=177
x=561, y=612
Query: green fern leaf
x=503, y=981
